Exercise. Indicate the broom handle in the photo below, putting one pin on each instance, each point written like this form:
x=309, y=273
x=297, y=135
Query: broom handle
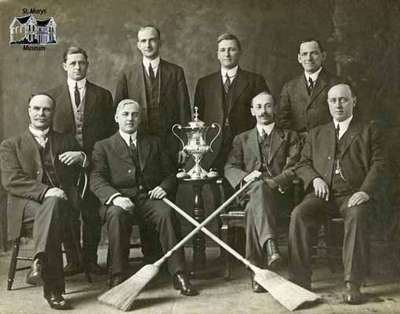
x=206, y=221
x=207, y=232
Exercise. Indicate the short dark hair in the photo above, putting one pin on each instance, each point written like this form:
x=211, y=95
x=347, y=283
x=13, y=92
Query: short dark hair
x=42, y=94
x=343, y=82
x=229, y=36
x=153, y=27
x=74, y=50
x=307, y=40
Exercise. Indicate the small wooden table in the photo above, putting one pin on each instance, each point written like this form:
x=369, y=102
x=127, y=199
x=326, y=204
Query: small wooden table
x=199, y=242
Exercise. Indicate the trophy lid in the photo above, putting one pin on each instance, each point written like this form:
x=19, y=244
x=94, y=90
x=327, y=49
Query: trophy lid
x=196, y=122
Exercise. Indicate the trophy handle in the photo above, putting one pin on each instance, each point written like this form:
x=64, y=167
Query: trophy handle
x=176, y=135
x=215, y=125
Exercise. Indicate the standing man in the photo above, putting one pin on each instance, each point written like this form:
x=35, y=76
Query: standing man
x=302, y=105
x=273, y=152
x=160, y=87
x=39, y=170
x=131, y=174
x=85, y=110
x=225, y=96
x=341, y=166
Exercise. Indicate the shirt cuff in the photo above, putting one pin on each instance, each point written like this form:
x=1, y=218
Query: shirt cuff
x=110, y=199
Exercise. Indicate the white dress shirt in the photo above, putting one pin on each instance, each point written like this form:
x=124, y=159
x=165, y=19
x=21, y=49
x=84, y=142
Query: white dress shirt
x=265, y=128
x=232, y=73
x=81, y=89
x=343, y=126
x=40, y=136
x=154, y=65
x=313, y=76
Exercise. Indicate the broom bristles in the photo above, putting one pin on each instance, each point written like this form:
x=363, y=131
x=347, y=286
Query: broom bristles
x=286, y=292
x=123, y=295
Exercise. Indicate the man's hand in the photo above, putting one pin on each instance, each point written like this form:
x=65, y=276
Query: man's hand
x=321, y=189
x=271, y=183
x=182, y=157
x=357, y=199
x=252, y=176
x=124, y=202
x=55, y=192
x=157, y=193
x=70, y=158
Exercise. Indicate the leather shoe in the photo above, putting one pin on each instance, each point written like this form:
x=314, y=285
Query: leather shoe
x=257, y=288
x=34, y=276
x=57, y=302
x=352, y=294
x=182, y=283
x=94, y=268
x=115, y=280
x=72, y=269
x=273, y=255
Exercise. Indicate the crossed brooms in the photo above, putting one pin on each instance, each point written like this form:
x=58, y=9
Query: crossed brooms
x=285, y=292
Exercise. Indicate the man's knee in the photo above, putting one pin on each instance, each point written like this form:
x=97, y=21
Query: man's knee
x=163, y=211
x=56, y=204
x=357, y=213
x=115, y=212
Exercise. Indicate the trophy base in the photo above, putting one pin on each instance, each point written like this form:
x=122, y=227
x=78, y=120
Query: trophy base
x=197, y=173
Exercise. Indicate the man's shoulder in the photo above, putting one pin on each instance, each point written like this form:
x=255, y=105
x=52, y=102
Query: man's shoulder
x=209, y=77
x=57, y=90
x=97, y=88
x=248, y=74
x=170, y=66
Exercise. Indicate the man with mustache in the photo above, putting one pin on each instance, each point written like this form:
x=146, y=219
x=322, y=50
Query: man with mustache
x=342, y=166
x=273, y=152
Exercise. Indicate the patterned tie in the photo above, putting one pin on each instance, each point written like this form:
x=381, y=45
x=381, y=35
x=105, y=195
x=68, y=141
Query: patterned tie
x=310, y=85
x=134, y=151
x=42, y=140
x=337, y=132
x=151, y=74
x=77, y=96
x=227, y=83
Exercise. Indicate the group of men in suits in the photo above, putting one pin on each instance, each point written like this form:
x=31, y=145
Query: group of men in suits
x=132, y=169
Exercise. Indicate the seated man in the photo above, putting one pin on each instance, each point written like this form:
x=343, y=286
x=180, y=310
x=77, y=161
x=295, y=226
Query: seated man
x=39, y=170
x=341, y=164
x=130, y=175
x=271, y=151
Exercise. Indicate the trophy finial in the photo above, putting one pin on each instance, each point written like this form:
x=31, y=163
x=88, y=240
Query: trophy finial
x=196, y=114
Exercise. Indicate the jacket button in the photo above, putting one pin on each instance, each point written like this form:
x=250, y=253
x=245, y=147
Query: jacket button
x=129, y=171
x=38, y=172
x=329, y=157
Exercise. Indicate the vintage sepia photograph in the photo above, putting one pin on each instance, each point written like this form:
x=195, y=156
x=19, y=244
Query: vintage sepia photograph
x=200, y=156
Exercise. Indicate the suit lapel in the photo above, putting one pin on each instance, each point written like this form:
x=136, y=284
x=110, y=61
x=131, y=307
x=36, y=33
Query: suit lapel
x=90, y=100
x=302, y=89
x=277, y=138
x=120, y=148
x=31, y=150
x=253, y=143
x=164, y=79
x=143, y=149
x=64, y=109
x=349, y=136
x=238, y=87
x=319, y=86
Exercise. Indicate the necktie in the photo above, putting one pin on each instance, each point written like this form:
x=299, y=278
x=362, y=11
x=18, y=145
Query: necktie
x=310, y=85
x=227, y=83
x=77, y=96
x=134, y=152
x=337, y=132
x=151, y=74
x=42, y=140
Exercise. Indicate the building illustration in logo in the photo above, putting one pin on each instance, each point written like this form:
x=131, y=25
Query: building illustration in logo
x=28, y=30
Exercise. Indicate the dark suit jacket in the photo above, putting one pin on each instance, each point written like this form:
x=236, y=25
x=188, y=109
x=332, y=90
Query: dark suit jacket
x=301, y=112
x=245, y=156
x=98, y=120
x=173, y=100
x=361, y=160
x=209, y=98
x=113, y=170
x=22, y=173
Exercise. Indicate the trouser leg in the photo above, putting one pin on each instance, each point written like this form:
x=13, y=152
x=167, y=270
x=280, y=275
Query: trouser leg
x=305, y=220
x=260, y=221
x=159, y=215
x=48, y=228
x=355, y=242
x=91, y=228
x=119, y=227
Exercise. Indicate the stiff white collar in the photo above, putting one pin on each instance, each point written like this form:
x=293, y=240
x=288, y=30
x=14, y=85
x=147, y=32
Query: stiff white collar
x=231, y=73
x=265, y=128
x=154, y=64
x=126, y=137
x=313, y=76
x=343, y=125
x=72, y=83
